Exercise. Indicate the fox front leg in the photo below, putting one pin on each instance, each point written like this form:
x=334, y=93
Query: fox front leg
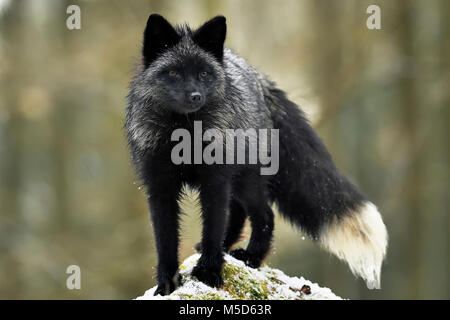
x=214, y=198
x=164, y=211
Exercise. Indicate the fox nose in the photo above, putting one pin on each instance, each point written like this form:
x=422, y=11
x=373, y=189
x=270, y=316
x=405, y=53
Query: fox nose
x=196, y=97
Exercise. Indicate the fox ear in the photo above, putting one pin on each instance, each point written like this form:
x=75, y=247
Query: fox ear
x=159, y=35
x=211, y=36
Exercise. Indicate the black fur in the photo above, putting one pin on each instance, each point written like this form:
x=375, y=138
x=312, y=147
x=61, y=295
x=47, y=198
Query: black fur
x=158, y=37
x=211, y=36
x=308, y=182
x=308, y=189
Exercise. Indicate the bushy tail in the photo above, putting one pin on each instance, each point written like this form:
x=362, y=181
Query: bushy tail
x=313, y=195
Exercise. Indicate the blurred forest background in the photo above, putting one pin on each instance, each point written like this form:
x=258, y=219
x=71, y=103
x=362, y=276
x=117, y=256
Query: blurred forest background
x=68, y=193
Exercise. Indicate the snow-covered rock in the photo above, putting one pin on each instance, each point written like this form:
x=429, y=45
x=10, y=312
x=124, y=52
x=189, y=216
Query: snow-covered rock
x=244, y=283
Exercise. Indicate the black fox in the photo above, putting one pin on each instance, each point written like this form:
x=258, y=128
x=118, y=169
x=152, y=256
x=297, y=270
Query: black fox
x=188, y=76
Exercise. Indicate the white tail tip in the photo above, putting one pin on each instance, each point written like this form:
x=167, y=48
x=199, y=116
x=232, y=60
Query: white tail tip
x=359, y=238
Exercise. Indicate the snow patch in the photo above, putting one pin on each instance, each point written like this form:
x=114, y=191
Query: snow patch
x=244, y=283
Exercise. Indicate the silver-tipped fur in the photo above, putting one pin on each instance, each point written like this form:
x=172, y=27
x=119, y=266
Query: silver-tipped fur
x=360, y=238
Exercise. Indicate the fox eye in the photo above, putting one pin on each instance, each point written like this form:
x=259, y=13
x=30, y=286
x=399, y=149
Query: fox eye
x=203, y=74
x=173, y=73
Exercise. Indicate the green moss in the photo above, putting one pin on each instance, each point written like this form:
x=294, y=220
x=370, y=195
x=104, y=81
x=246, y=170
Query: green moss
x=206, y=296
x=240, y=285
x=183, y=266
x=211, y=296
x=275, y=280
x=187, y=297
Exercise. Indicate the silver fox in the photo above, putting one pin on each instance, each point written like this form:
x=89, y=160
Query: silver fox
x=187, y=75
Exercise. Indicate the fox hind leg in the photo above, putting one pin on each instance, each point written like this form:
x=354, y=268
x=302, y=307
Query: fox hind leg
x=261, y=219
x=234, y=227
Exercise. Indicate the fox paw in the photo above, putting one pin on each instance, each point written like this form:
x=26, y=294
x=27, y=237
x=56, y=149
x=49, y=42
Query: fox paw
x=248, y=258
x=208, y=276
x=167, y=287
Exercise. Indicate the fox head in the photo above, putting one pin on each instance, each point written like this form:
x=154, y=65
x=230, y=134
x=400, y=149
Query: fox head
x=183, y=68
